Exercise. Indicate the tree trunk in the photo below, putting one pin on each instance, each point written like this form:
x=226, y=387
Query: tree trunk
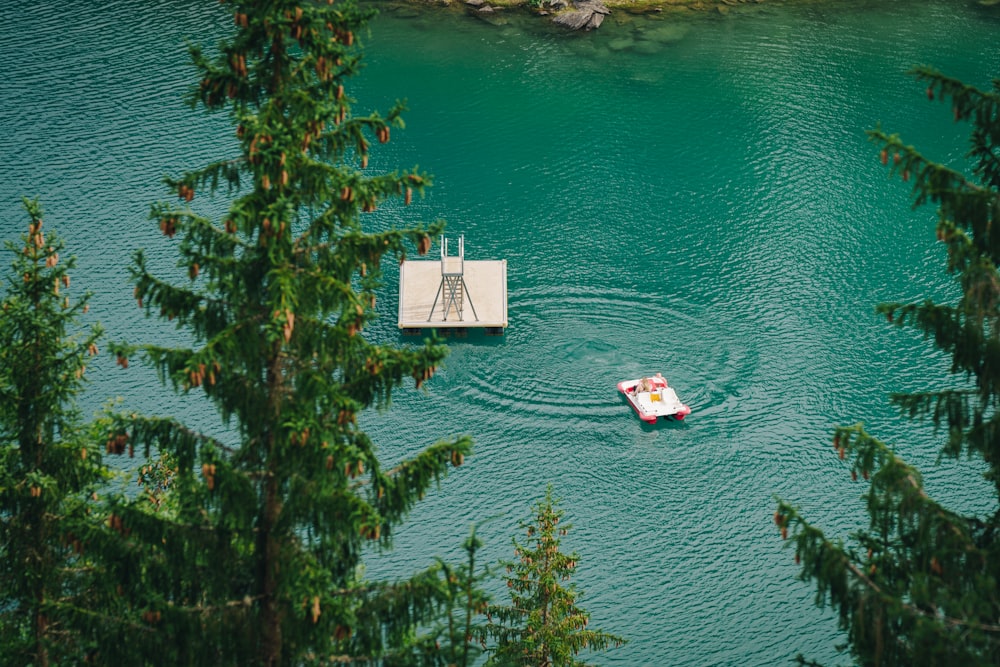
x=41, y=628
x=268, y=543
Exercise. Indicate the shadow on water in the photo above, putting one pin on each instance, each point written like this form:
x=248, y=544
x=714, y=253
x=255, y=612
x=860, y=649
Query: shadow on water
x=473, y=335
x=662, y=423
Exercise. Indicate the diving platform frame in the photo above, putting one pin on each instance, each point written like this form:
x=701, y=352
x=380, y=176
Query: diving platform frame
x=453, y=293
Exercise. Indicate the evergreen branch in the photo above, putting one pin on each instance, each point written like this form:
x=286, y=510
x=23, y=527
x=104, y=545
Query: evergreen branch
x=408, y=481
x=897, y=502
x=277, y=515
x=961, y=202
x=205, y=610
x=950, y=328
x=927, y=590
x=175, y=301
x=811, y=542
x=938, y=404
x=938, y=618
x=163, y=432
x=210, y=175
x=966, y=97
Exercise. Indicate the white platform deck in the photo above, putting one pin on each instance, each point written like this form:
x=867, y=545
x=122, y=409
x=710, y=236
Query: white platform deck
x=660, y=402
x=420, y=280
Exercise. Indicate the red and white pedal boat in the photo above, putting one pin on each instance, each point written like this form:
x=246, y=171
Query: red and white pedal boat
x=652, y=398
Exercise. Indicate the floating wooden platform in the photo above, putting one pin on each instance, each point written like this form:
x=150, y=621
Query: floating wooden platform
x=424, y=295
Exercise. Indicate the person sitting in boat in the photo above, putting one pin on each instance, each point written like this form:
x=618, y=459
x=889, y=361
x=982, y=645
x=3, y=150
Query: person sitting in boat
x=649, y=384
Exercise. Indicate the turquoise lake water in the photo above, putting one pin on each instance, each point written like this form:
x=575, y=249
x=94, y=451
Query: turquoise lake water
x=693, y=196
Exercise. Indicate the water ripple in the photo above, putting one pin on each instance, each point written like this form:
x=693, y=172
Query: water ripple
x=695, y=198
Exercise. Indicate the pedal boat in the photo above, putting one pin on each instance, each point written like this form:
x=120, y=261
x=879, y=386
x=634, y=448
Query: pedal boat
x=662, y=401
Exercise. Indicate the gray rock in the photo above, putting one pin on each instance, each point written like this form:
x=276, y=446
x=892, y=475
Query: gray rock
x=588, y=15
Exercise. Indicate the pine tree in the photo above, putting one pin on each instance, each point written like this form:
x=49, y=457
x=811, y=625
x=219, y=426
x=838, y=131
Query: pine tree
x=255, y=556
x=47, y=466
x=464, y=594
x=543, y=626
x=921, y=585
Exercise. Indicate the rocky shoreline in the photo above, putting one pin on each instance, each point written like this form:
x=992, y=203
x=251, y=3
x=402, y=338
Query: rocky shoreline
x=589, y=14
x=585, y=15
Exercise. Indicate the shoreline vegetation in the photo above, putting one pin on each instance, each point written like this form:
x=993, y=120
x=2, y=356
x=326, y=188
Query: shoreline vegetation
x=543, y=8
x=632, y=6
x=588, y=15
x=553, y=8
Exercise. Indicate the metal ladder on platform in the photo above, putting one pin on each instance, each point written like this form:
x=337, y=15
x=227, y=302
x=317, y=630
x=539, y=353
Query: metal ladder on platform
x=453, y=288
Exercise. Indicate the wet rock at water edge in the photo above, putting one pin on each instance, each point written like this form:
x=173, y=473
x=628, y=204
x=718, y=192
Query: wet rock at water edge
x=588, y=15
x=547, y=8
x=479, y=7
x=484, y=11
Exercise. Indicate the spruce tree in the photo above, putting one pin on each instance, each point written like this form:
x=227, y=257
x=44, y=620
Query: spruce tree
x=48, y=467
x=543, y=626
x=921, y=584
x=256, y=556
x=462, y=585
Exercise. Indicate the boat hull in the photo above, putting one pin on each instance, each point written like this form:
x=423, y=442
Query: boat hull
x=660, y=401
